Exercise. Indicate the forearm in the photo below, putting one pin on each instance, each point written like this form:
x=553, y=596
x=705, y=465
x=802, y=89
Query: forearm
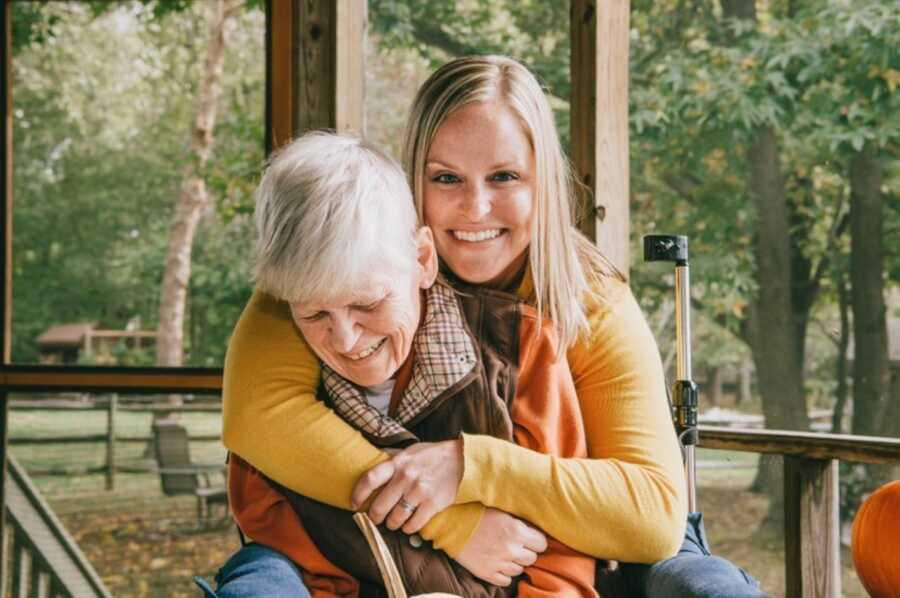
x=606, y=508
x=272, y=419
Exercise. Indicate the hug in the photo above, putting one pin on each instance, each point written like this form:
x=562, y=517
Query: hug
x=444, y=350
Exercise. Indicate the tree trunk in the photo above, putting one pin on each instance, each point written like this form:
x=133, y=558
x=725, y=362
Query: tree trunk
x=773, y=329
x=867, y=294
x=776, y=330
x=714, y=385
x=193, y=198
x=745, y=393
x=837, y=417
x=778, y=314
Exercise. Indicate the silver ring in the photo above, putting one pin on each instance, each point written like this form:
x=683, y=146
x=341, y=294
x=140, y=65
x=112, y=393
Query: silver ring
x=406, y=506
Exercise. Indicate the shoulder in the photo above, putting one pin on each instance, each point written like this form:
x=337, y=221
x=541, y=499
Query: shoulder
x=264, y=339
x=617, y=326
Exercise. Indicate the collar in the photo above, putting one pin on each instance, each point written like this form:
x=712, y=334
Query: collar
x=444, y=355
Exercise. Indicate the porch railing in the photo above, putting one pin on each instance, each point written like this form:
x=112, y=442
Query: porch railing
x=46, y=561
x=811, y=497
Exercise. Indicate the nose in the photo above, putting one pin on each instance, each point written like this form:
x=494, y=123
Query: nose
x=344, y=333
x=477, y=202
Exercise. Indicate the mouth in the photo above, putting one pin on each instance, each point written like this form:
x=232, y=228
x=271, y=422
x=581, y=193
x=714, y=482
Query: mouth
x=367, y=352
x=480, y=236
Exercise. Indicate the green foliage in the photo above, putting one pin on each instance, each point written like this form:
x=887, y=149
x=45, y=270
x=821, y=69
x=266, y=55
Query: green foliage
x=822, y=73
x=103, y=109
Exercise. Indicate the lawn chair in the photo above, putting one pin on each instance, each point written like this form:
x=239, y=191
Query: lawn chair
x=179, y=475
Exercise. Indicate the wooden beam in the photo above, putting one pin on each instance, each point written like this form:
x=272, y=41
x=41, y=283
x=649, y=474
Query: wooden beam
x=316, y=67
x=599, y=122
x=280, y=67
x=6, y=260
x=328, y=79
x=859, y=449
x=811, y=528
x=110, y=379
x=351, y=31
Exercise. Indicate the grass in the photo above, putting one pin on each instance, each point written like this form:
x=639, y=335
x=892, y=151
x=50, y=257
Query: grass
x=146, y=544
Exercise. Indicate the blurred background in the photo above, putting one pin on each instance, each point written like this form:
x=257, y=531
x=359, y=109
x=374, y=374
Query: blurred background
x=793, y=104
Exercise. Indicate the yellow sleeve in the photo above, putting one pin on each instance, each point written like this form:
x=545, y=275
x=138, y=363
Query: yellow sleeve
x=626, y=502
x=272, y=419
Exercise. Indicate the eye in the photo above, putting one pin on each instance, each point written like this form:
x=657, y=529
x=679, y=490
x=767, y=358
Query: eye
x=314, y=317
x=504, y=176
x=445, y=178
x=368, y=307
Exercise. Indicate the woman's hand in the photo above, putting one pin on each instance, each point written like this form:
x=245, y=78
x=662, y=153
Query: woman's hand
x=501, y=547
x=418, y=483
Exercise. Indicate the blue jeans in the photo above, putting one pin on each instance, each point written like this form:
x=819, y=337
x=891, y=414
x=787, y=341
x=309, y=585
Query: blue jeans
x=255, y=570
x=693, y=572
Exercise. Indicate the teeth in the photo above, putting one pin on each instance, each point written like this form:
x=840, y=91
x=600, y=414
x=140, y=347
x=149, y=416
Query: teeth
x=366, y=352
x=482, y=235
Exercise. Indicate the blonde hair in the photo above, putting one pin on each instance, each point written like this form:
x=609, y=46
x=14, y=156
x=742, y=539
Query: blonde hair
x=566, y=268
x=326, y=207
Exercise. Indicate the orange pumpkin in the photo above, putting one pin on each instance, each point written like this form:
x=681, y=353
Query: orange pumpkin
x=876, y=541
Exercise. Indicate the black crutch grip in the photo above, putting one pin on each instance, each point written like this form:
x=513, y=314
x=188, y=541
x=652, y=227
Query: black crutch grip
x=666, y=248
x=685, y=401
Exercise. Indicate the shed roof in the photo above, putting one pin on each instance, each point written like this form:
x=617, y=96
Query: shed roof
x=65, y=335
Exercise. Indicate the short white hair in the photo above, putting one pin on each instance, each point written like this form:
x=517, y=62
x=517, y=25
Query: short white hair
x=329, y=208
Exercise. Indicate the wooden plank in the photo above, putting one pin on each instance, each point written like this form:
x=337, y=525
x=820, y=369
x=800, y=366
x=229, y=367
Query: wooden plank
x=350, y=62
x=280, y=66
x=53, y=404
x=811, y=528
x=89, y=438
x=145, y=380
x=599, y=122
x=6, y=174
x=6, y=251
x=38, y=527
x=21, y=565
x=860, y=449
x=328, y=85
x=111, y=442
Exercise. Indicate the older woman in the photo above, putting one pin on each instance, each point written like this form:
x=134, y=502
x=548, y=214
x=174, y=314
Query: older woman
x=489, y=177
x=404, y=360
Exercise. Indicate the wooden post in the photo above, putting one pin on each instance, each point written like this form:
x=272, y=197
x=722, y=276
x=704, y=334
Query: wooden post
x=811, y=528
x=316, y=67
x=280, y=66
x=6, y=261
x=599, y=122
x=111, y=441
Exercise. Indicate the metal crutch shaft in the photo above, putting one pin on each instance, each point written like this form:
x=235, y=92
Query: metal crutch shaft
x=674, y=248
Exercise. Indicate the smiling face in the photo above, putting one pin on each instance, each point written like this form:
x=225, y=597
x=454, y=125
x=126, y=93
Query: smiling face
x=365, y=333
x=478, y=193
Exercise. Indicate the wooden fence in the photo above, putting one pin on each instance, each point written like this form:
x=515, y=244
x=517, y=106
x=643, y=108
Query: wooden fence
x=112, y=406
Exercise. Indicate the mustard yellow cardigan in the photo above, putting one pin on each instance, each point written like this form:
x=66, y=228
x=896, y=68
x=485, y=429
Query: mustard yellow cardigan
x=626, y=502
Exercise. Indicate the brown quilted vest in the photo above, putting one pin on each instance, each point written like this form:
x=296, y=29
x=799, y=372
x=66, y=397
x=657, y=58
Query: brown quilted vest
x=479, y=403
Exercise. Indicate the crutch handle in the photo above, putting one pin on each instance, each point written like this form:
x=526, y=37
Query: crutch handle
x=666, y=248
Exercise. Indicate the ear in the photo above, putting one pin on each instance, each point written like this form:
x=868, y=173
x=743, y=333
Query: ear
x=427, y=257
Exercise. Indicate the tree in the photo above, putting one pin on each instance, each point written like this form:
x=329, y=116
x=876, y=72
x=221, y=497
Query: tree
x=101, y=118
x=194, y=197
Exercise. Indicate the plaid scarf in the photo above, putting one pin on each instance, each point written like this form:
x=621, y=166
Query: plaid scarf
x=444, y=354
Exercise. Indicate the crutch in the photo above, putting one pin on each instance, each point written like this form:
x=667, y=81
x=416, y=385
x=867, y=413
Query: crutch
x=674, y=248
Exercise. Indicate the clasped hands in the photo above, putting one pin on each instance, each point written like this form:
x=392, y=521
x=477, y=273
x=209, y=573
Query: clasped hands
x=418, y=482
